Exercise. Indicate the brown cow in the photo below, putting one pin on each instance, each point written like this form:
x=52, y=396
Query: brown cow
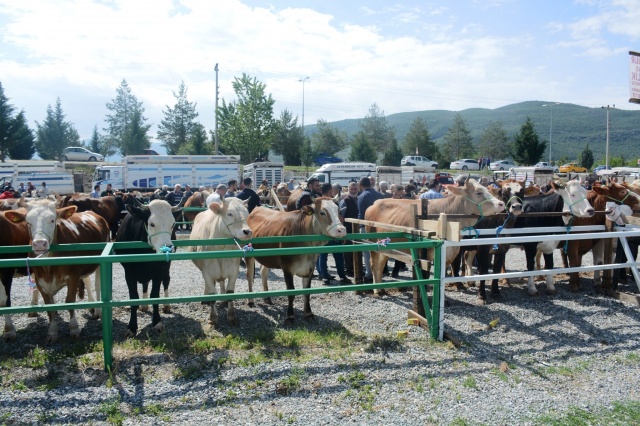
x=63, y=226
x=11, y=234
x=196, y=200
x=109, y=207
x=293, y=197
x=319, y=218
x=472, y=198
x=598, y=198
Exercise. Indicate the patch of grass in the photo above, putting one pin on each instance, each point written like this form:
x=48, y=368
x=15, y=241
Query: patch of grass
x=470, y=382
x=501, y=375
x=632, y=358
x=37, y=358
x=111, y=409
x=619, y=413
x=383, y=343
x=45, y=417
x=157, y=410
x=459, y=421
x=19, y=386
x=290, y=383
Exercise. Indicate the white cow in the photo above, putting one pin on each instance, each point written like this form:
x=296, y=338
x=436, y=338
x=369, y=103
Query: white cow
x=221, y=220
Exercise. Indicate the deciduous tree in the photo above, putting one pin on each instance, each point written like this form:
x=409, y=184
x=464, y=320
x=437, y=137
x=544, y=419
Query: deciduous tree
x=178, y=125
x=198, y=144
x=246, y=125
x=327, y=139
x=494, y=142
x=361, y=149
x=288, y=139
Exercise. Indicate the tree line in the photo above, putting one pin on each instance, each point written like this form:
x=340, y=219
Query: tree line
x=247, y=126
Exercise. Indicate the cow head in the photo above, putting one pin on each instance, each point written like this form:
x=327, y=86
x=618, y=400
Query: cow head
x=476, y=198
x=512, y=193
x=233, y=214
x=41, y=218
x=619, y=193
x=574, y=196
x=326, y=217
x=158, y=218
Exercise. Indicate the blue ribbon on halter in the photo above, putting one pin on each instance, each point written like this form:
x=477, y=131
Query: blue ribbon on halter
x=30, y=282
x=500, y=228
x=383, y=242
x=166, y=250
x=245, y=249
x=471, y=228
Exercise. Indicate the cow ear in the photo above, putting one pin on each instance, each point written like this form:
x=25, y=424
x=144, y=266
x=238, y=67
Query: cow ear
x=455, y=190
x=140, y=213
x=494, y=191
x=308, y=210
x=531, y=191
x=14, y=216
x=215, y=207
x=67, y=212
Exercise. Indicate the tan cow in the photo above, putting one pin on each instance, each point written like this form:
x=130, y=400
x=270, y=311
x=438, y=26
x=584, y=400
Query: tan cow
x=472, y=198
x=222, y=220
x=319, y=218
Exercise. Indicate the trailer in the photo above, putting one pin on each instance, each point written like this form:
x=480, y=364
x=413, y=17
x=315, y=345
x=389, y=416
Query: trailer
x=533, y=175
x=148, y=172
x=343, y=173
x=258, y=172
x=36, y=172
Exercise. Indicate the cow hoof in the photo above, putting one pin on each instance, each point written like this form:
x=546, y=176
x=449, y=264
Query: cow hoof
x=379, y=293
x=551, y=292
x=212, y=325
x=130, y=334
x=166, y=309
x=533, y=293
x=144, y=308
x=51, y=339
x=251, y=303
x=9, y=336
x=310, y=318
x=159, y=327
x=32, y=315
x=233, y=321
x=481, y=302
x=289, y=321
x=268, y=301
x=75, y=334
x=96, y=314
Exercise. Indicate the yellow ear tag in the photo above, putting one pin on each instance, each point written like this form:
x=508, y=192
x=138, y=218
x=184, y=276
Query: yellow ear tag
x=15, y=219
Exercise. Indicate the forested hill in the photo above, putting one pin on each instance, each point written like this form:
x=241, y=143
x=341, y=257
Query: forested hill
x=573, y=126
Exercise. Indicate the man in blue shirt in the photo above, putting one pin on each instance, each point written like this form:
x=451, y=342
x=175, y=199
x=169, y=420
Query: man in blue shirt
x=367, y=197
x=434, y=190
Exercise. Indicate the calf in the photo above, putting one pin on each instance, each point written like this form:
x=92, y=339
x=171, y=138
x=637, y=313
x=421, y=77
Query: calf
x=47, y=226
x=319, y=218
x=222, y=220
x=152, y=224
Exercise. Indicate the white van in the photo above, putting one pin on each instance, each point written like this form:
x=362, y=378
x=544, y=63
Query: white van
x=343, y=173
x=418, y=160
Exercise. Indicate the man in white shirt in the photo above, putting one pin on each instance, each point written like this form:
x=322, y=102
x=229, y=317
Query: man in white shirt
x=217, y=195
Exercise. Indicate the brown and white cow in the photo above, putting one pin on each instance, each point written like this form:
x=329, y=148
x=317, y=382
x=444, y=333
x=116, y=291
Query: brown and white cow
x=49, y=226
x=472, y=198
x=319, y=218
x=227, y=219
x=109, y=207
x=11, y=234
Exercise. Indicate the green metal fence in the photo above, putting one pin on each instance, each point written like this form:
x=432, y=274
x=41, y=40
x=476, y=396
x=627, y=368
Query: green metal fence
x=432, y=307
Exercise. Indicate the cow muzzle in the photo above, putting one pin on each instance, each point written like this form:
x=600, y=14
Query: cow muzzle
x=515, y=209
x=338, y=232
x=40, y=246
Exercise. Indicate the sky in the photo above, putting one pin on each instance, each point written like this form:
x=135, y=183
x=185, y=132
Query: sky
x=403, y=56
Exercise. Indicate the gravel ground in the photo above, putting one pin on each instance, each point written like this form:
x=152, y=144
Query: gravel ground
x=545, y=356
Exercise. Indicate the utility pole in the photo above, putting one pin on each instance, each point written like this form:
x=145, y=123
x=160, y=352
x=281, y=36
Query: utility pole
x=303, y=80
x=215, y=151
x=607, y=143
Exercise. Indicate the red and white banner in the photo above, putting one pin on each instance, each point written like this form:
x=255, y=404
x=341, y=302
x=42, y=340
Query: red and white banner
x=634, y=77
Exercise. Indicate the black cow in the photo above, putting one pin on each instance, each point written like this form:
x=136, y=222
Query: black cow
x=158, y=218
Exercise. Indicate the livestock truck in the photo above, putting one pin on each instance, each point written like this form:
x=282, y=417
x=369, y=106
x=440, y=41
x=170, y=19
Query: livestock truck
x=272, y=172
x=343, y=173
x=403, y=175
x=36, y=172
x=148, y=172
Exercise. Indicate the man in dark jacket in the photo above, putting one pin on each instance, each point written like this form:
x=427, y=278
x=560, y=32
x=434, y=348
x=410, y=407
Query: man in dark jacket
x=349, y=209
x=309, y=194
x=249, y=194
x=367, y=197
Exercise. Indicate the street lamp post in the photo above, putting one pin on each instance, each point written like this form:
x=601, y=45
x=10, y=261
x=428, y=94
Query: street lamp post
x=606, y=150
x=550, y=126
x=303, y=80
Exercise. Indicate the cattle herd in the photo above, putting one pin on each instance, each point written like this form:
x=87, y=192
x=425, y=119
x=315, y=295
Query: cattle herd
x=124, y=218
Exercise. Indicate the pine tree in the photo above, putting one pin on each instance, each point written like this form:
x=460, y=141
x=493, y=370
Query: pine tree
x=178, y=125
x=376, y=129
x=393, y=155
x=198, y=144
x=418, y=140
x=527, y=148
x=123, y=108
x=135, y=138
x=586, y=158
x=6, y=120
x=55, y=134
x=494, y=142
x=288, y=139
x=327, y=139
x=458, y=141
x=23, y=146
x=361, y=149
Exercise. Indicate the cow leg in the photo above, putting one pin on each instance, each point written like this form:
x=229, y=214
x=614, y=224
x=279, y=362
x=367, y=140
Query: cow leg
x=598, y=259
x=145, y=295
x=251, y=265
x=231, y=288
x=74, y=327
x=575, y=259
x=156, y=322
x=308, y=315
x=468, y=257
x=530, y=253
x=97, y=285
x=133, y=295
x=483, y=256
x=210, y=288
x=52, y=332
x=288, y=280
x=264, y=275
x=548, y=264
x=166, y=309
x=5, y=300
x=34, y=302
x=378, y=261
x=498, y=265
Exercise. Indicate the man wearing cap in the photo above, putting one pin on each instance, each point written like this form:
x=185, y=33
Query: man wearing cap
x=218, y=195
x=249, y=194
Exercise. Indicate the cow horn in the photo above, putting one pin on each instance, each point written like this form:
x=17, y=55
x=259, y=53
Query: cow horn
x=58, y=198
x=178, y=208
x=139, y=204
x=21, y=202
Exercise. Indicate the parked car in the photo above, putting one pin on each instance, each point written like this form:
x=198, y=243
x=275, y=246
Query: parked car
x=572, y=168
x=501, y=165
x=545, y=165
x=418, y=160
x=464, y=164
x=78, y=153
x=150, y=152
x=323, y=159
x=601, y=167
